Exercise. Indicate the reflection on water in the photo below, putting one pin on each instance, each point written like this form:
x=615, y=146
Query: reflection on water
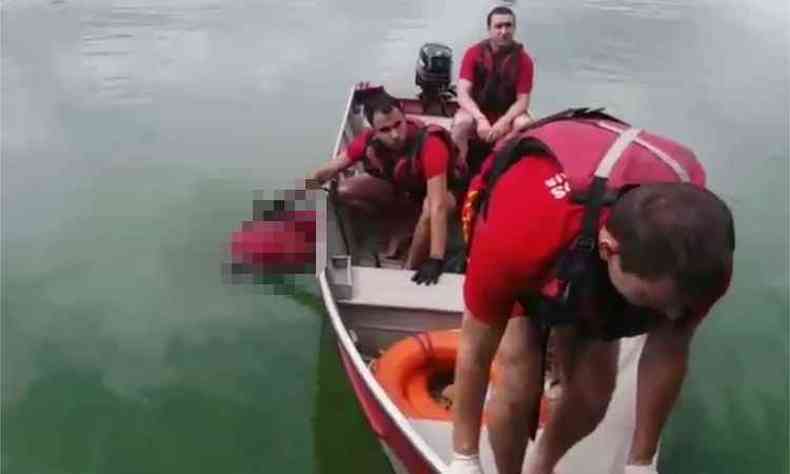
x=134, y=133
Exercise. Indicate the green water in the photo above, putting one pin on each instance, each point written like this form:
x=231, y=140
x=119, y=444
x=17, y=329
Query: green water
x=134, y=134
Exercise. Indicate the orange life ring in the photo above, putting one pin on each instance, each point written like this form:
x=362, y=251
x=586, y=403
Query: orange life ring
x=406, y=369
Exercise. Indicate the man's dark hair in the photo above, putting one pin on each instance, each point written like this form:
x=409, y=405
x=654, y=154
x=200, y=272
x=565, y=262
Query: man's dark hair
x=382, y=103
x=676, y=230
x=499, y=11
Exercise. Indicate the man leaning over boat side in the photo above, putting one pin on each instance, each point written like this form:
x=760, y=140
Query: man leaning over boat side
x=661, y=258
x=407, y=164
x=494, y=85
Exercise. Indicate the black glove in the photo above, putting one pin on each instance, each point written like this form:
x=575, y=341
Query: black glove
x=429, y=271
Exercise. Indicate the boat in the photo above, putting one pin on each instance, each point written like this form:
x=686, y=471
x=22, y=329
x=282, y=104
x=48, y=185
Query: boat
x=374, y=308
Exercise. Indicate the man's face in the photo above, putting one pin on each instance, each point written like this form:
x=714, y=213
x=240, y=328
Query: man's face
x=501, y=29
x=390, y=128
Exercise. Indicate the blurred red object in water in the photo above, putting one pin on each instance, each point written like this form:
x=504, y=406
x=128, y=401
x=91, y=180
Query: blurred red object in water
x=283, y=243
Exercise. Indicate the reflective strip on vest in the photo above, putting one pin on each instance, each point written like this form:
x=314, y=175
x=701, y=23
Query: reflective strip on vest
x=679, y=170
x=615, y=151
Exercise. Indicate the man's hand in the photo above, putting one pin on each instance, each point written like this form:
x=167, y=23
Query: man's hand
x=465, y=464
x=312, y=184
x=499, y=129
x=429, y=271
x=483, y=128
x=640, y=469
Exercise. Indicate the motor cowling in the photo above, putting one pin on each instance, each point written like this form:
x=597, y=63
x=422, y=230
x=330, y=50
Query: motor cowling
x=434, y=67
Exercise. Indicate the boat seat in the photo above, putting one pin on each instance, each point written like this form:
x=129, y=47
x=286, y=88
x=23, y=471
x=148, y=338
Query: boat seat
x=392, y=288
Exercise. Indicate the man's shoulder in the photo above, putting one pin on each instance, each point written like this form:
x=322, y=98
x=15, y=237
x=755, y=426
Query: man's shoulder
x=525, y=56
x=436, y=144
x=474, y=50
x=356, y=149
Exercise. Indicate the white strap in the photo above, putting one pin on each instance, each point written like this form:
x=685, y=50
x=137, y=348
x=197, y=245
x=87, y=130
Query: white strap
x=676, y=167
x=679, y=170
x=616, y=151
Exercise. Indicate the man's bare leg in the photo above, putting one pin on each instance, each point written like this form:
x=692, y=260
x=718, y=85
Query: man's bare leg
x=460, y=131
x=366, y=193
x=588, y=369
x=516, y=395
x=371, y=198
x=401, y=219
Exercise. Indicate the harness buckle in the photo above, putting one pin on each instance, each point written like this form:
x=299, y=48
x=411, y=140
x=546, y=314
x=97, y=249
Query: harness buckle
x=586, y=244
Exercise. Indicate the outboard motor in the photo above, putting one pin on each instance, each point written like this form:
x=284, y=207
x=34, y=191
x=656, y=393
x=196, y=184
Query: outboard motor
x=434, y=66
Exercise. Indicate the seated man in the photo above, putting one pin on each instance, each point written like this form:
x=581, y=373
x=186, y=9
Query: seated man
x=494, y=85
x=406, y=165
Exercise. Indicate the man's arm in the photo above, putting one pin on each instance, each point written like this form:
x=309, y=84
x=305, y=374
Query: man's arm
x=662, y=368
x=430, y=234
x=438, y=207
x=476, y=350
x=329, y=170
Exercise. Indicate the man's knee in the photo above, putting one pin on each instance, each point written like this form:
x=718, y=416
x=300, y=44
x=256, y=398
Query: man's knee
x=521, y=122
x=366, y=188
x=520, y=361
x=518, y=379
x=425, y=212
x=594, y=398
x=463, y=122
x=345, y=190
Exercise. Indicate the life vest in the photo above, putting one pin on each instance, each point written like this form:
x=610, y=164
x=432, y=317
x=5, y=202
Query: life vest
x=495, y=78
x=405, y=169
x=602, y=157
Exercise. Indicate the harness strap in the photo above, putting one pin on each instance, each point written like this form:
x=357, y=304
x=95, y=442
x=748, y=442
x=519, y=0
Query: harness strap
x=679, y=170
x=588, y=241
x=615, y=152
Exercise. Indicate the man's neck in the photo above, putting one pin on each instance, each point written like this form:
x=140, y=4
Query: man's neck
x=501, y=48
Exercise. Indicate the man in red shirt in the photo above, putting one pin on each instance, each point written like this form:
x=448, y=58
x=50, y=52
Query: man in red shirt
x=665, y=254
x=494, y=85
x=406, y=165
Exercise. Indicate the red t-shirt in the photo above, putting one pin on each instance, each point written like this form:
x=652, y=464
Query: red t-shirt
x=530, y=221
x=526, y=70
x=435, y=155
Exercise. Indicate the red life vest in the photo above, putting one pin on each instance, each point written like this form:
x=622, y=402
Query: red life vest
x=589, y=144
x=495, y=78
x=404, y=169
x=601, y=157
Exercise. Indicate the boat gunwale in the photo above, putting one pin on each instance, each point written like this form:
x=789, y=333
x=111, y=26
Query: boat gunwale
x=346, y=344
